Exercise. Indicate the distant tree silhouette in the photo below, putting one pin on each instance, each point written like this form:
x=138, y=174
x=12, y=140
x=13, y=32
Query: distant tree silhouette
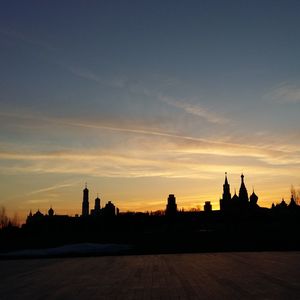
x=4, y=220
x=195, y=209
x=15, y=221
x=157, y=213
x=295, y=193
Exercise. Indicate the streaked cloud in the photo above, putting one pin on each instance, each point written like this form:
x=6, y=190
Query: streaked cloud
x=38, y=201
x=89, y=75
x=195, y=109
x=285, y=93
x=51, y=188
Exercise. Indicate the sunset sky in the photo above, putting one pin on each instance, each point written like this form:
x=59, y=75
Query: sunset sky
x=141, y=99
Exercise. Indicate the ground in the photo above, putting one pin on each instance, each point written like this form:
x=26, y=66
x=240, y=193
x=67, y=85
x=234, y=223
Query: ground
x=263, y=275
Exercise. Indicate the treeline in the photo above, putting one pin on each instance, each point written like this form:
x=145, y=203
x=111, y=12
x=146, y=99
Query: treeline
x=5, y=221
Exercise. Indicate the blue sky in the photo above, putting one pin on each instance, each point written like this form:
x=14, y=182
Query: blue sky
x=144, y=94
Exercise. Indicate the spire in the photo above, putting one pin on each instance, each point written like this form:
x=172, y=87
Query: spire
x=85, y=185
x=243, y=194
x=226, y=181
x=85, y=202
x=226, y=190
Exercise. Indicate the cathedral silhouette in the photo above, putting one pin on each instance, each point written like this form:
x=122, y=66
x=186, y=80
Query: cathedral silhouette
x=239, y=202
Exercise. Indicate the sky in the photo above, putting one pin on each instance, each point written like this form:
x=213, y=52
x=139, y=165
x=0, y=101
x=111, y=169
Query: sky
x=141, y=99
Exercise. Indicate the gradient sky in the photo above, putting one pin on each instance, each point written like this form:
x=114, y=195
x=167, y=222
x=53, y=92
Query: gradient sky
x=146, y=98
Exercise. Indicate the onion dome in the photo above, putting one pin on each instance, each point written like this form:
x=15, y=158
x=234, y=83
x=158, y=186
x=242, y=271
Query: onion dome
x=51, y=212
x=253, y=198
x=38, y=214
x=235, y=197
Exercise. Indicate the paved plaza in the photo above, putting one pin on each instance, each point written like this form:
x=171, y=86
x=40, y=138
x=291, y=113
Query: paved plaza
x=264, y=275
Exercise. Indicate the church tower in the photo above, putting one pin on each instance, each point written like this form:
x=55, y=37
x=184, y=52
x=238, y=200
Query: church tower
x=171, y=208
x=243, y=194
x=226, y=197
x=85, y=202
x=97, y=207
x=226, y=189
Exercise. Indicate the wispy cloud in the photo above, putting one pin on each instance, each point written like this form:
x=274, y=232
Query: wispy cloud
x=126, y=128
x=195, y=109
x=51, y=188
x=39, y=201
x=89, y=75
x=285, y=93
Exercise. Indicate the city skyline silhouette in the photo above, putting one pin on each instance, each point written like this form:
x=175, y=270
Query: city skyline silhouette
x=146, y=99
x=240, y=224
x=231, y=202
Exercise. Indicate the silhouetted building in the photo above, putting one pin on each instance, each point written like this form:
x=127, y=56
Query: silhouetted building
x=85, y=202
x=109, y=210
x=207, y=206
x=282, y=204
x=239, y=202
x=171, y=208
x=38, y=215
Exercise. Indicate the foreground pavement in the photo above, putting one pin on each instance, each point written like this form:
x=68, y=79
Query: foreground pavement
x=264, y=275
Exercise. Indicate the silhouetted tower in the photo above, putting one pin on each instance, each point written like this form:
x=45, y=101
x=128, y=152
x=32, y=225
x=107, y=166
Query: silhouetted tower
x=109, y=209
x=226, y=197
x=171, y=208
x=85, y=202
x=243, y=194
x=207, y=206
x=226, y=189
x=97, y=204
x=97, y=208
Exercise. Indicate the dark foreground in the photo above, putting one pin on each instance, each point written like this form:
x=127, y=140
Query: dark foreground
x=256, y=275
